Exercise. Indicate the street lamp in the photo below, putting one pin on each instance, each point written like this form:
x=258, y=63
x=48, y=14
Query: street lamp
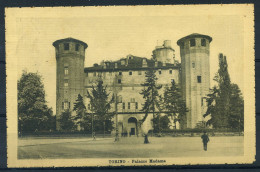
x=20, y=125
x=92, y=125
x=117, y=136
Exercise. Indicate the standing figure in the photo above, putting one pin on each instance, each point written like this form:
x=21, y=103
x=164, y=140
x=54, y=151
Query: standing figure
x=146, y=139
x=94, y=136
x=205, y=140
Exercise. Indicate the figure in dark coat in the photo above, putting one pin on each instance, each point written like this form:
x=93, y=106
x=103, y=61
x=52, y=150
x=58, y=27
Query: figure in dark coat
x=94, y=136
x=146, y=139
x=205, y=140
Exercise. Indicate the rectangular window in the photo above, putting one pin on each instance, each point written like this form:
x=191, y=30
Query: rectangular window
x=160, y=72
x=203, y=42
x=119, y=73
x=199, y=79
x=66, y=70
x=139, y=72
x=66, y=83
x=201, y=101
x=136, y=105
x=129, y=104
x=119, y=100
x=130, y=73
x=66, y=46
x=192, y=42
x=77, y=47
x=123, y=104
x=170, y=71
x=119, y=81
x=66, y=105
x=193, y=64
x=122, y=62
x=132, y=100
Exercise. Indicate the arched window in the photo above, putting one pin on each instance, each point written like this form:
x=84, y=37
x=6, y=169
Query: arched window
x=132, y=120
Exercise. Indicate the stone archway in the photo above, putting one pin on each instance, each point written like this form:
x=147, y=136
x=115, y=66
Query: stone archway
x=132, y=126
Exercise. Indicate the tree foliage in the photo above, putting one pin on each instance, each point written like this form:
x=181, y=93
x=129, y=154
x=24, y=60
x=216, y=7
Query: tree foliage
x=100, y=105
x=225, y=101
x=66, y=121
x=236, y=117
x=33, y=112
x=82, y=118
x=150, y=94
x=175, y=105
x=161, y=123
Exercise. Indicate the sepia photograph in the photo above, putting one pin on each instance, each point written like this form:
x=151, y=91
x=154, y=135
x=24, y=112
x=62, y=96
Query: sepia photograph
x=130, y=85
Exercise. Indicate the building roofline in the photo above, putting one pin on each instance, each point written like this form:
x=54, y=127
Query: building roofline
x=194, y=35
x=129, y=69
x=55, y=43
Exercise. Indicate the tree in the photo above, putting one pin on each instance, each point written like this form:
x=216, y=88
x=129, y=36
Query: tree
x=161, y=123
x=150, y=95
x=175, y=105
x=236, y=117
x=225, y=102
x=82, y=118
x=214, y=109
x=33, y=112
x=66, y=121
x=100, y=105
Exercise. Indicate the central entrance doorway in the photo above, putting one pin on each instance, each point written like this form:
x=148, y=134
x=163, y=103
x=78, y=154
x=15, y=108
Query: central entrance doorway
x=132, y=126
x=132, y=131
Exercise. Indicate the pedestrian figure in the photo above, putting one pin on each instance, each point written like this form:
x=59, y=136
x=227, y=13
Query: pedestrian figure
x=205, y=140
x=146, y=139
x=94, y=136
x=117, y=137
x=36, y=131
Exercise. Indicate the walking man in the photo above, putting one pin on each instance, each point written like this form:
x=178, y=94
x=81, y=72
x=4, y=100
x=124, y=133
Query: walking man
x=94, y=136
x=205, y=140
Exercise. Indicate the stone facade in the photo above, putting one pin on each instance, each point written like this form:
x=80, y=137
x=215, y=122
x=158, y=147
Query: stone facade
x=125, y=79
x=70, y=57
x=125, y=76
x=195, y=75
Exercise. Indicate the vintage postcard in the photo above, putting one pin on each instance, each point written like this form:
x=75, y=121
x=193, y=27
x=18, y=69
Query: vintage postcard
x=130, y=85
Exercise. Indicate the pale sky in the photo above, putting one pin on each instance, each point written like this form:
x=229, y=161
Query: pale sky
x=114, y=32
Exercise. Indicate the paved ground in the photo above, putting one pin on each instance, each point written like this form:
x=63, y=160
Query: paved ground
x=128, y=147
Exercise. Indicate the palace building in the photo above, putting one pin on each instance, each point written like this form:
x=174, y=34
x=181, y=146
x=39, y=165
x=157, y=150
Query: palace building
x=125, y=76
